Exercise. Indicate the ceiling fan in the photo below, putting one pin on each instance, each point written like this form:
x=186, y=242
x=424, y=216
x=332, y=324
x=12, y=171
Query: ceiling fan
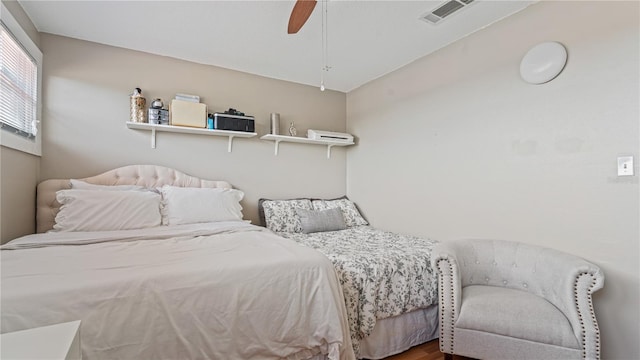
x=299, y=15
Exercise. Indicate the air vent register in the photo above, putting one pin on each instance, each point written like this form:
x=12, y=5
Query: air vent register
x=441, y=12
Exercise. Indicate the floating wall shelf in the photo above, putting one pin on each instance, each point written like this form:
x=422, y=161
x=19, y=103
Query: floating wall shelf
x=282, y=138
x=188, y=130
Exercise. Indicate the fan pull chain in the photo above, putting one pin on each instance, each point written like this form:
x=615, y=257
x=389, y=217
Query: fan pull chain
x=325, y=44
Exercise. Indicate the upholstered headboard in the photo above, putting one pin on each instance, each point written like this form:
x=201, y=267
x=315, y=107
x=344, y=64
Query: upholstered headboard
x=145, y=175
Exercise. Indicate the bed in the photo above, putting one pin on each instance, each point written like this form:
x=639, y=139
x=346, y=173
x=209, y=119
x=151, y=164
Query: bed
x=217, y=288
x=389, y=285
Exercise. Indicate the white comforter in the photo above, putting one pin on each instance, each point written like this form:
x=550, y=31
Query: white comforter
x=222, y=291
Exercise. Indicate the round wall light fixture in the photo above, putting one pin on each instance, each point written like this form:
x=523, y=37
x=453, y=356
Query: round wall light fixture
x=543, y=62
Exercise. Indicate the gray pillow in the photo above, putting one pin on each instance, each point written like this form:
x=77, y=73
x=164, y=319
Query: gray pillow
x=321, y=220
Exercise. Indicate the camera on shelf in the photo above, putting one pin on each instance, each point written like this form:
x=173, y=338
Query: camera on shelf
x=233, y=111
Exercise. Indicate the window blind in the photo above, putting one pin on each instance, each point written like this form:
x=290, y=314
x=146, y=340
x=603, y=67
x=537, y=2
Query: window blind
x=18, y=86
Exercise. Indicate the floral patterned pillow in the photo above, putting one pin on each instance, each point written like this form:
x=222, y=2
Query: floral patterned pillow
x=352, y=216
x=281, y=216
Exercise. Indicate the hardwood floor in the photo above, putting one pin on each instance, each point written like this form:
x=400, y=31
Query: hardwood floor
x=427, y=351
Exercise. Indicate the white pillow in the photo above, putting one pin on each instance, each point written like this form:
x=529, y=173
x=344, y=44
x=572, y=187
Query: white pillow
x=187, y=205
x=83, y=185
x=98, y=210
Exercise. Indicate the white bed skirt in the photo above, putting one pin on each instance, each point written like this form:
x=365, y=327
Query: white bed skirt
x=396, y=334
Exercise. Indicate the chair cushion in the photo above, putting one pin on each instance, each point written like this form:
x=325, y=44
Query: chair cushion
x=514, y=313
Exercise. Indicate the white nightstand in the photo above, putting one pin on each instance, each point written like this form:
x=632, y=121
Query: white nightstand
x=60, y=341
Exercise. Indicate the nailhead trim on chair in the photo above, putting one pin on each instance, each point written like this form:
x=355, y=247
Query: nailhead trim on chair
x=441, y=291
x=591, y=311
x=593, y=316
x=442, y=306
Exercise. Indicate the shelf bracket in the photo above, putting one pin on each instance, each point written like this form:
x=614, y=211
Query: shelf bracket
x=230, y=143
x=153, y=138
x=329, y=151
x=277, y=146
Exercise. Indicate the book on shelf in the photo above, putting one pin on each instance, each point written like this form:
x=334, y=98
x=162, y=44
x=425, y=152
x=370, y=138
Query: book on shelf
x=187, y=97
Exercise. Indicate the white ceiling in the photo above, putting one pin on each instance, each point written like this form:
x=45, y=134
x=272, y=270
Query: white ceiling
x=366, y=39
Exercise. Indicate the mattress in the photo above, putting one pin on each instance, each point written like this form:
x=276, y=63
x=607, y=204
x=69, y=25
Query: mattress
x=383, y=274
x=225, y=290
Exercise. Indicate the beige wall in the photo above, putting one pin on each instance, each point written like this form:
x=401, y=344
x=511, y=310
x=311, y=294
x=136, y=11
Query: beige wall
x=18, y=181
x=86, y=92
x=456, y=145
x=18, y=170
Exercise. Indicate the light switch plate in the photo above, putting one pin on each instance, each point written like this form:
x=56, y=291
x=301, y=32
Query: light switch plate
x=625, y=165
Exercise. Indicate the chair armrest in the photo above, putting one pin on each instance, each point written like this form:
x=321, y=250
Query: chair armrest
x=444, y=261
x=586, y=283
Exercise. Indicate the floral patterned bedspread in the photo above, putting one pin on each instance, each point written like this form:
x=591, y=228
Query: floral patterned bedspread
x=383, y=274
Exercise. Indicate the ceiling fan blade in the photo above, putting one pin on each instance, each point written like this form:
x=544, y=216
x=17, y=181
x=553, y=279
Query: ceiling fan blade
x=299, y=15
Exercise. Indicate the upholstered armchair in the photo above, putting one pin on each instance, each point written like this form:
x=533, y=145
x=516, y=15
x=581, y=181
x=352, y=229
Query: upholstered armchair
x=508, y=300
